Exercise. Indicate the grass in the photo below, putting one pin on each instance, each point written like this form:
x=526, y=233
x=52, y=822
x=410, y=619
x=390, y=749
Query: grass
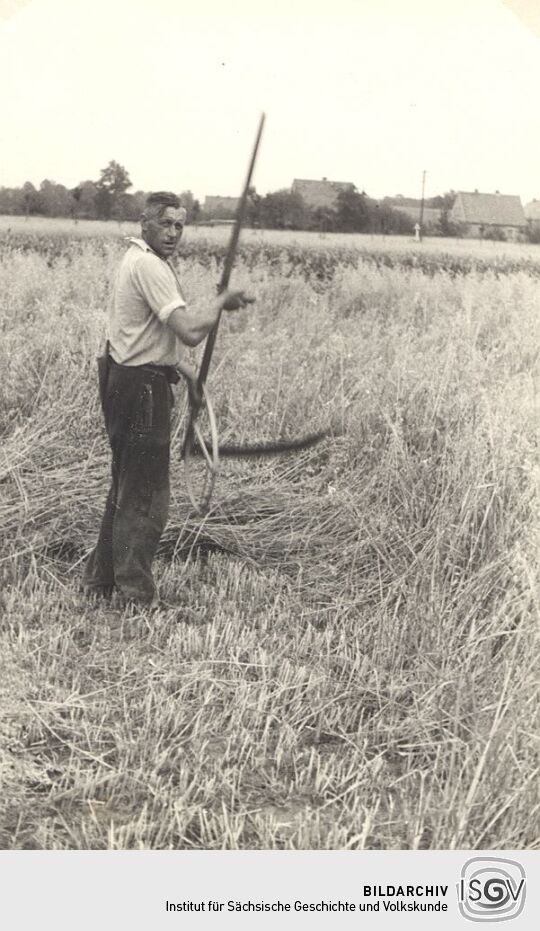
x=355, y=661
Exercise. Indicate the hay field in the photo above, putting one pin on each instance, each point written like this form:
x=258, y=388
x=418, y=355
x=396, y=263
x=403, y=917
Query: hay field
x=355, y=662
x=22, y=228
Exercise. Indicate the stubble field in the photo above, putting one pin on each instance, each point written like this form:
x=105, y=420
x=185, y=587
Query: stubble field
x=355, y=661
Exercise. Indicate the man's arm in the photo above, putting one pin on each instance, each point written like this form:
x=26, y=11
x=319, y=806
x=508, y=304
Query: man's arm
x=157, y=286
x=192, y=327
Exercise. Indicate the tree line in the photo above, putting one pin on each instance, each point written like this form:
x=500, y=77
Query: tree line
x=104, y=199
x=108, y=198
x=353, y=212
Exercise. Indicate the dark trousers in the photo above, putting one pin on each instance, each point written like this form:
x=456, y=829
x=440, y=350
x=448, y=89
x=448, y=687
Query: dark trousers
x=136, y=402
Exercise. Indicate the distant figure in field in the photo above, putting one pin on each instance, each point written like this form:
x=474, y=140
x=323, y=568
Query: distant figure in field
x=148, y=330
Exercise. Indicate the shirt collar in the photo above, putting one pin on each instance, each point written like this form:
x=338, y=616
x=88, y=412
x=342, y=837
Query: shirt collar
x=135, y=241
x=140, y=243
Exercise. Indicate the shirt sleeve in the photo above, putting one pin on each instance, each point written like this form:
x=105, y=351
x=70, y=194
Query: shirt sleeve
x=157, y=284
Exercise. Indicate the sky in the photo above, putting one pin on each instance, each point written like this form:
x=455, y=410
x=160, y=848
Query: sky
x=368, y=91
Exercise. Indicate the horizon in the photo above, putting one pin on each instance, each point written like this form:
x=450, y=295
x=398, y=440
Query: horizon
x=393, y=197
x=379, y=93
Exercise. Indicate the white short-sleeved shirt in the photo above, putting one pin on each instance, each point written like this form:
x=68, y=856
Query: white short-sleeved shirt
x=146, y=291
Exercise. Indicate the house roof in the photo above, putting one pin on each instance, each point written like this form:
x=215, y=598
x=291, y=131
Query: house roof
x=488, y=209
x=322, y=193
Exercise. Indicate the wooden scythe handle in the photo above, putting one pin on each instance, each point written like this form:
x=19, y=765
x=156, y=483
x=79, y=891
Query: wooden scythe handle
x=223, y=285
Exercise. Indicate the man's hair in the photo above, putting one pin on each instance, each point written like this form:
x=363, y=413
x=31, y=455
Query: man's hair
x=157, y=202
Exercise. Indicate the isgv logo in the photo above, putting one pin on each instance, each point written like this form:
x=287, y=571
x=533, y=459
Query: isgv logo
x=491, y=889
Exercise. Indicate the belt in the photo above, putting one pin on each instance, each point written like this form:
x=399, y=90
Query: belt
x=167, y=371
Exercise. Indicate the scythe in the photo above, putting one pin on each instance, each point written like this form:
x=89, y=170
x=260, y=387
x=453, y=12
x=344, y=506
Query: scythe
x=195, y=445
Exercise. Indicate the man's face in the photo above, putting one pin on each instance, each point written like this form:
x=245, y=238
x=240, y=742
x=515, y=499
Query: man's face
x=162, y=233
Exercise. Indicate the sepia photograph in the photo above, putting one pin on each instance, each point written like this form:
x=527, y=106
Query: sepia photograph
x=269, y=424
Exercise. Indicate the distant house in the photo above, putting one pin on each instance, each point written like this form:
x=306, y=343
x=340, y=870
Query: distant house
x=218, y=222
x=222, y=207
x=489, y=215
x=321, y=194
x=532, y=214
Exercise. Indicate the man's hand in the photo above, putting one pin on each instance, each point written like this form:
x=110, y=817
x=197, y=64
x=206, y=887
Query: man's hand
x=234, y=300
x=189, y=373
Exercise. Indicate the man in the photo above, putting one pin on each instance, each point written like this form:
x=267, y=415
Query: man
x=149, y=326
